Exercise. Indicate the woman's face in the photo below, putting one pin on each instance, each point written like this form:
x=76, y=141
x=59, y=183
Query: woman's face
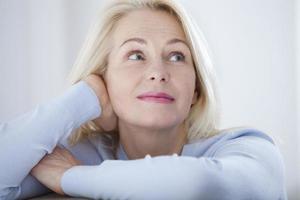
x=150, y=54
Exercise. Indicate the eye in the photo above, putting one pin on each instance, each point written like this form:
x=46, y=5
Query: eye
x=177, y=56
x=135, y=55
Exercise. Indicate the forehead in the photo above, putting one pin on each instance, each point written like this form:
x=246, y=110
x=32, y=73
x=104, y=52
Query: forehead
x=149, y=24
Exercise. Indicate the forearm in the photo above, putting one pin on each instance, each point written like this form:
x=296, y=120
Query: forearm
x=163, y=177
x=235, y=173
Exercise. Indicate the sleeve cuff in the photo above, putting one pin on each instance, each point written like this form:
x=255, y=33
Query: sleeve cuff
x=72, y=180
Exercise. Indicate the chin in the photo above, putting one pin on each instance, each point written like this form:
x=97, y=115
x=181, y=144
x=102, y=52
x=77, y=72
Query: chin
x=157, y=123
x=152, y=119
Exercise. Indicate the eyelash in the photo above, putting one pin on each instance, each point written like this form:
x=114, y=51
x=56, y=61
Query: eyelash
x=172, y=54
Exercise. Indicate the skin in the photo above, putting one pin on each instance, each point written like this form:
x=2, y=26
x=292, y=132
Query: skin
x=153, y=64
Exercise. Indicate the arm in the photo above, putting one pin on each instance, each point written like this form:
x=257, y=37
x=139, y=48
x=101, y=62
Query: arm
x=244, y=168
x=25, y=140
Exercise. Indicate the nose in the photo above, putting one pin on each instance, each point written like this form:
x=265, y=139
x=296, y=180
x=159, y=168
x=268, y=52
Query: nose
x=159, y=74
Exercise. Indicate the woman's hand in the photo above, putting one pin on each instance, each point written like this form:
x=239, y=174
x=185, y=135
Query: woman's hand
x=108, y=119
x=51, y=168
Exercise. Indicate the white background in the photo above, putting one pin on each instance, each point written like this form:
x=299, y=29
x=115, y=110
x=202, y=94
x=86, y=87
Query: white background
x=253, y=44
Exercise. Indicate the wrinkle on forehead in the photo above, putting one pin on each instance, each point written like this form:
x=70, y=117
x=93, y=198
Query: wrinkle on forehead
x=147, y=22
x=156, y=27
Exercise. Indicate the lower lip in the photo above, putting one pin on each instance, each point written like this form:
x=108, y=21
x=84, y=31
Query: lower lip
x=156, y=99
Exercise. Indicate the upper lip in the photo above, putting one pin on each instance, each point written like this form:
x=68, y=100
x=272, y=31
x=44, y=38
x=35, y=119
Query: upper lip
x=156, y=94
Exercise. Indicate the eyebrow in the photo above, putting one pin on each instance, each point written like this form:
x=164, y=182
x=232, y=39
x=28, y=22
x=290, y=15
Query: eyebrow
x=142, y=41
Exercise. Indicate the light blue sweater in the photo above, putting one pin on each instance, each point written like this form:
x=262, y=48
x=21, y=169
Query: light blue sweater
x=236, y=165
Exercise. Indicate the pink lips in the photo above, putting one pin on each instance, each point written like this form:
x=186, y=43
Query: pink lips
x=158, y=97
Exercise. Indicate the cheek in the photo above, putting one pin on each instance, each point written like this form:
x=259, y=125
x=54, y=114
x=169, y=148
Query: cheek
x=186, y=88
x=120, y=88
x=186, y=83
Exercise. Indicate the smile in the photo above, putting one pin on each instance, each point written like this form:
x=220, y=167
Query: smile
x=156, y=97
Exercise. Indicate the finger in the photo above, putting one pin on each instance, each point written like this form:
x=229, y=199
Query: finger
x=68, y=156
x=62, y=154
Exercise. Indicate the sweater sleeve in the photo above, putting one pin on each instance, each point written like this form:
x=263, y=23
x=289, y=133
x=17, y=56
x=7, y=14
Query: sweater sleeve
x=243, y=168
x=25, y=140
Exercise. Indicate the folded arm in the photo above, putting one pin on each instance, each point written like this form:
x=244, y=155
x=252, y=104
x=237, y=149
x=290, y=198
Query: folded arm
x=244, y=168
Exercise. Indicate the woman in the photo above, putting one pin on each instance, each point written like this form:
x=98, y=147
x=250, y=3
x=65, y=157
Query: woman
x=141, y=117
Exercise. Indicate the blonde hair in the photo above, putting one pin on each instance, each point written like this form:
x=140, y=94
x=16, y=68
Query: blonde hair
x=203, y=118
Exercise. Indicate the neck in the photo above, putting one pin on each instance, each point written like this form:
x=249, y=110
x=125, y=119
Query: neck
x=139, y=141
